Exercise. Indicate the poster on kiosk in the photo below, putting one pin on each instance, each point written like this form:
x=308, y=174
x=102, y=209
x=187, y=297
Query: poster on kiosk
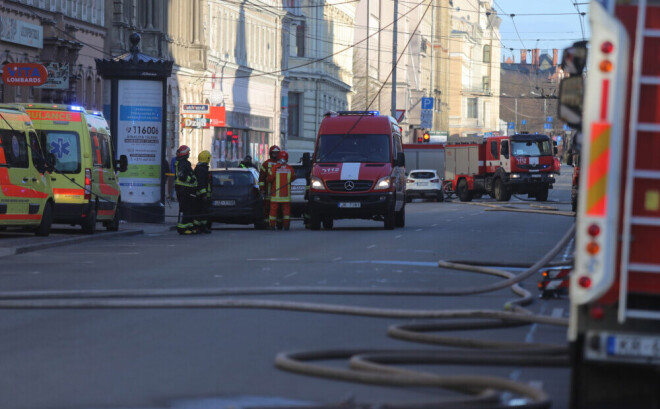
x=139, y=137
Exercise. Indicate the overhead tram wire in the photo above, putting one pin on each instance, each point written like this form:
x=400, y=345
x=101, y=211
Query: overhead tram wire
x=581, y=18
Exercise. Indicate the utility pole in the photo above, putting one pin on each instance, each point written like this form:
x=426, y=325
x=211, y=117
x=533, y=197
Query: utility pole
x=395, y=33
x=516, y=126
x=431, y=87
x=366, y=70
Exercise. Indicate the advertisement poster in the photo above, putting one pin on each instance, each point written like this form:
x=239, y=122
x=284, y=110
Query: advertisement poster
x=139, y=137
x=58, y=76
x=20, y=32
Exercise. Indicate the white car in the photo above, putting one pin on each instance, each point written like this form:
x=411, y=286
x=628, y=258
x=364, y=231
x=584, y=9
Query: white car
x=298, y=188
x=424, y=184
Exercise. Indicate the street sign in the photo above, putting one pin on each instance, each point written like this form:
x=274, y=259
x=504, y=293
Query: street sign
x=511, y=125
x=400, y=113
x=523, y=122
x=547, y=126
x=427, y=118
x=427, y=103
x=549, y=119
x=566, y=128
x=197, y=123
x=24, y=74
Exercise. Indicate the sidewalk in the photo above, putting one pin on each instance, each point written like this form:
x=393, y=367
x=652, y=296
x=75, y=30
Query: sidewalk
x=18, y=242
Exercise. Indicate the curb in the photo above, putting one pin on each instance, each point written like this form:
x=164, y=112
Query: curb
x=10, y=251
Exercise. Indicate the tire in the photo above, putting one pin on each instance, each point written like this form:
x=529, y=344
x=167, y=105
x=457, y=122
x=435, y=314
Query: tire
x=390, y=217
x=574, y=204
x=400, y=217
x=542, y=195
x=314, y=221
x=441, y=196
x=328, y=223
x=89, y=225
x=113, y=225
x=477, y=195
x=500, y=192
x=462, y=191
x=408, y=199
x=46, y=221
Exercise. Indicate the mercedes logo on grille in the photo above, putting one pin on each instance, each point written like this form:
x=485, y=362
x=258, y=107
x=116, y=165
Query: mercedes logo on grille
x=349, y=185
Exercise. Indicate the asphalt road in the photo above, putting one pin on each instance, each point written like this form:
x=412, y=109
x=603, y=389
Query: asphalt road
x=221, y=358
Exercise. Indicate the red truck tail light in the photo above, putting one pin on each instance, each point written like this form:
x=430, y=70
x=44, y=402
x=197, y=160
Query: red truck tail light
x=607, y=47
x=593, y=230
x=584, y=282
x=88, y=184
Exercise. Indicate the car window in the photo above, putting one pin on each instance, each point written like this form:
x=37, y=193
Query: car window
x=301, y=172
x=15, y=148
x=422, y=175
x=65, y=145
x=229, y=179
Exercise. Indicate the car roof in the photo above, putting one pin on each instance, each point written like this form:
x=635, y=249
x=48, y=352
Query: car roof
x=230, y=169
x=423, y=170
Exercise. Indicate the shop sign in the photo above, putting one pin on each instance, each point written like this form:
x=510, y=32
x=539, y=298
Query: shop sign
x=20, y=32
x=216, y=117
x=197, y=123
x=195, y=109
x=25, y=74
x=58, y=76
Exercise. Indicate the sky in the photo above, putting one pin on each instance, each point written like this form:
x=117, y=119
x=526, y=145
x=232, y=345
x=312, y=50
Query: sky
x=551, y=31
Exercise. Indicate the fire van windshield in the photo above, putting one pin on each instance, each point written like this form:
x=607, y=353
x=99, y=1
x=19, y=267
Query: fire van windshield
x=353, y=148
x=531, y=147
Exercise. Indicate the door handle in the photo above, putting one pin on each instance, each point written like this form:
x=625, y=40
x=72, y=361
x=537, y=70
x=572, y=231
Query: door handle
x=34, y=179
x=25, y=180
x=53, y=178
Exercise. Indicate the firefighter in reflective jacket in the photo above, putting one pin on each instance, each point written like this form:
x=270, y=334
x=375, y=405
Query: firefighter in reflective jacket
x=185, y=185
x=203, y=192
x=280, y=178
x=264, y=185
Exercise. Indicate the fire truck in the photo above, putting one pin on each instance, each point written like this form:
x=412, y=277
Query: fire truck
x=500, y=166
x=614, y=326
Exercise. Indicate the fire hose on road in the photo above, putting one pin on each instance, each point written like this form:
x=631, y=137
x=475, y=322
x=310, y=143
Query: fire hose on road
x=371, y=366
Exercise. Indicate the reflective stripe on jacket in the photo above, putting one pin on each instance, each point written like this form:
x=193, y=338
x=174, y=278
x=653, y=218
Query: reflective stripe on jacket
x=184, y=173
x=281, y=176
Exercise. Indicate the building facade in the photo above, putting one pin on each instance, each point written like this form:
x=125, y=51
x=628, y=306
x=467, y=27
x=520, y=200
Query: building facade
x=474, y=74
x=66, y=36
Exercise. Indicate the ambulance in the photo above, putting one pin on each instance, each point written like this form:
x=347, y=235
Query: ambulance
x=26, y=196
x=85, y=182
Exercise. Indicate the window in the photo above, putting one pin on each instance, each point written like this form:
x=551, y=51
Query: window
x=294, y=113
x=300, y=40
x=38, y=158
x=493, y=150
x=486, y=83
x=353, y=148
x=65, y=146
x=486, y=53
x=504, y=149
x=472, y=108
x=15, y=148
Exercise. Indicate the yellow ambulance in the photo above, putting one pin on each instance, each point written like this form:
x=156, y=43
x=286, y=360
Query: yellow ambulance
x=85, y=182
x=26, y=197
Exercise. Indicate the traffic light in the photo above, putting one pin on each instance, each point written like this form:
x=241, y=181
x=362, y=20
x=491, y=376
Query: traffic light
x=420, y=139
x=232, y=136
x=427, y=137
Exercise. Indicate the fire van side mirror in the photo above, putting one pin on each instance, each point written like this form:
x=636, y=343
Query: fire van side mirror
x=571, y=95
x=122, y=164
x=400, y=159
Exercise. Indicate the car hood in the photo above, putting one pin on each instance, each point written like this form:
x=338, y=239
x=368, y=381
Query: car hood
x=351, y=171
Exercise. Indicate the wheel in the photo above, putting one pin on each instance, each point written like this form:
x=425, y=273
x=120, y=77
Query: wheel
x=89, y=225
x=314, y=221
x=542, y=195
x=113, y=225
x=574, y=204
x=462, y=191
x=328, y=223
x=400, y=217
x=500, y=192
x=408, y=199
x=390, y=219
x=441, y=196
x=46, y=221
x=477, y=195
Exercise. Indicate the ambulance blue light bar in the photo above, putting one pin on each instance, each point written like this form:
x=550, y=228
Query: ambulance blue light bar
x=76, y=108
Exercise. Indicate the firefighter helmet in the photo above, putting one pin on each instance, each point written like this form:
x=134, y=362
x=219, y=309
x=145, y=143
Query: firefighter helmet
x=204, y=157
x=273, y=152
x=283, y=156
x=183, y=150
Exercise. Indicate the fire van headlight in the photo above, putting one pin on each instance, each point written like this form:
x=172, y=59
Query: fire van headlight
x=515, y=176
x=383, y=183
x=552, y=175
x=317, y=184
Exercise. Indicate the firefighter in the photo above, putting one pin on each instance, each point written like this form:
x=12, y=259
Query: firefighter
x=264, y=185
x=203, y=192
x=185, y=185
x=247, y=163
x=280, y=178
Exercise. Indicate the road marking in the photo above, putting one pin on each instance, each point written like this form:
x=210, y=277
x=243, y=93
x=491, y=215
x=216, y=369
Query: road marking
x=337, y=258
x=568, y=250
x=434, y=225
x=217, y=276
x=398, y=236
x=372, y=246
x=291, y=274
x=273, y=259
x=398, y=263
x=419, y=230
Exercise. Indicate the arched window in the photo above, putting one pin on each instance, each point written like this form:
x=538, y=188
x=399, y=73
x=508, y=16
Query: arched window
x=486, y=53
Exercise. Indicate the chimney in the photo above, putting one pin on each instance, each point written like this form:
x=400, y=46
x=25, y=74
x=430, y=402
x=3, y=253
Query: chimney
x=523, y=57
x=535, y=57
x=554, y=57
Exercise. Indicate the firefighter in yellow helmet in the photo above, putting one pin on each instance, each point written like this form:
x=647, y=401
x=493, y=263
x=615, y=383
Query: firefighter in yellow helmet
x=202, y=222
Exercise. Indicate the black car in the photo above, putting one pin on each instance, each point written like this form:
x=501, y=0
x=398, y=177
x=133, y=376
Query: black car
x=235, y=197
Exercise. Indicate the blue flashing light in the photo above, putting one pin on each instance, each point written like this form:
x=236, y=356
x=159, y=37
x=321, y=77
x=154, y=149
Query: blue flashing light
x=97, y=113
x=76, y=108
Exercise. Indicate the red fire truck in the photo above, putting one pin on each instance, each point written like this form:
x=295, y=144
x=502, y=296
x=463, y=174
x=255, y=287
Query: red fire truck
x=500, y=166
x=614, y=329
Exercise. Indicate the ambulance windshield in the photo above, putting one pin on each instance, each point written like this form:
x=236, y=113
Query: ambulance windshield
x=353, y=148
x=65, y=146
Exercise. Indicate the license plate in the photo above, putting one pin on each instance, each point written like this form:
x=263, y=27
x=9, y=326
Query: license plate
x=297, y=188
x=633, y=345
x=352, y=205
x=224, y=203
x=422, y=183
x=536, y=175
